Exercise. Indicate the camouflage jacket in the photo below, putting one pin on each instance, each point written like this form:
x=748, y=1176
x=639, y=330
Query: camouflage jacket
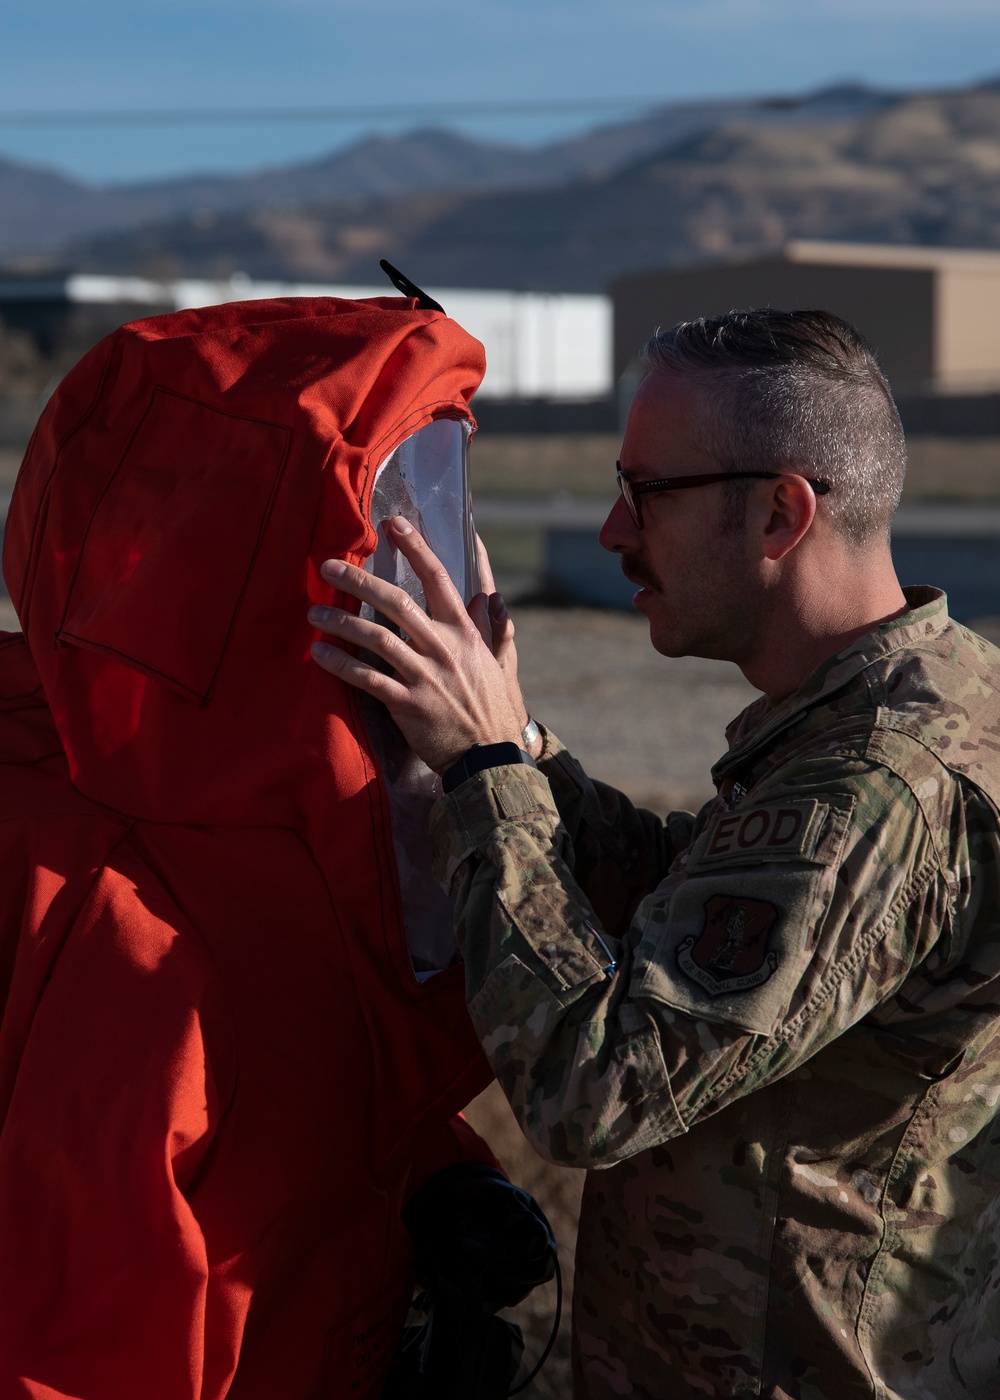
x=775, y=1026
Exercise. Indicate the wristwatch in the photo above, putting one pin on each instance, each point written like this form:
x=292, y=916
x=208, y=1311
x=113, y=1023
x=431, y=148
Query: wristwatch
x=530, y=733
x=480, y=757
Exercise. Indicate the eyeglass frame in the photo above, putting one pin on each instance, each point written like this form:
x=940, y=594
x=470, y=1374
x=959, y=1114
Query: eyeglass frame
x=633, y=491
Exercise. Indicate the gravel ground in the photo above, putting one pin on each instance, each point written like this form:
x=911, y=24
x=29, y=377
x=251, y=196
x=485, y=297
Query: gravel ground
x=652, y=726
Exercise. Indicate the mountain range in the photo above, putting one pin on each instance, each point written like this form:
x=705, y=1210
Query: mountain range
x=684, y=182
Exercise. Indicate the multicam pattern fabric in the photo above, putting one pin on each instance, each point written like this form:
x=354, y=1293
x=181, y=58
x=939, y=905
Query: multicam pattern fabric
x=774, y=1028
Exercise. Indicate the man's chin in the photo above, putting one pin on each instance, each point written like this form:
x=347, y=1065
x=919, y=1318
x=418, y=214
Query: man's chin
x=668, y=646
x=661, y=638
x=667, y=635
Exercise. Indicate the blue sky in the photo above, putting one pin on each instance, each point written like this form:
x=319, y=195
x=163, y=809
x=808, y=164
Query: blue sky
x=126, y=54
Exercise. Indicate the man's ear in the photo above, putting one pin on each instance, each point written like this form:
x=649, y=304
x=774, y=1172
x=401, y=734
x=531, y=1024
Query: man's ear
x=787, y=512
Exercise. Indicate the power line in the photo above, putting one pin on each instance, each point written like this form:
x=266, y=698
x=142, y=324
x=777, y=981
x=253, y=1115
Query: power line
x=209, y=116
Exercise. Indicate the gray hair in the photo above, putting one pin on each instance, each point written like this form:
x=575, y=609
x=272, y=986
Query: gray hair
x=794, y=391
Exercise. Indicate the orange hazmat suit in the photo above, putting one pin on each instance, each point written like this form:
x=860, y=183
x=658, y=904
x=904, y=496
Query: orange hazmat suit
x=219, y=1075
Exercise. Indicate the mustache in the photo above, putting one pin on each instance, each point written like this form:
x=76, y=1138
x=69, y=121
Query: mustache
x=637, y=571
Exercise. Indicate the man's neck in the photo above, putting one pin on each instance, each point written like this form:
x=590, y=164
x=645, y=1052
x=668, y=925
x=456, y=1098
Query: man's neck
x=818, y=622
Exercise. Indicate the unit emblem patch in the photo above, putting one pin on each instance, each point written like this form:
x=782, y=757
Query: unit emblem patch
x=731, y=953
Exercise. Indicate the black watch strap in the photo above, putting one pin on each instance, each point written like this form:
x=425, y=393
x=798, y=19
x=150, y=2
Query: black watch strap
x=482, y=756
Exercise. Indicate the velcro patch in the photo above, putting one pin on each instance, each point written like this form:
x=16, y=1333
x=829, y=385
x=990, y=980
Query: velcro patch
x=729, y=945
x=768, y=831
x=728, y=941
x=731, y=953
x=514, y=799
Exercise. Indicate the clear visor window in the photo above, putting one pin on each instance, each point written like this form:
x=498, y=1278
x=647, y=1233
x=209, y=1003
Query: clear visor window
x=426, y=481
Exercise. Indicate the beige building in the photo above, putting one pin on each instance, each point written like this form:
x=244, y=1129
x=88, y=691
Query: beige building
x=933, y=314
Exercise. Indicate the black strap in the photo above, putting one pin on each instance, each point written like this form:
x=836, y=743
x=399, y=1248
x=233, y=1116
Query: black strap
x=409, y=289
x=482, y=756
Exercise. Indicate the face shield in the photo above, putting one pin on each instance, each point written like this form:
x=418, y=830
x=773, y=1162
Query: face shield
x=425, y=480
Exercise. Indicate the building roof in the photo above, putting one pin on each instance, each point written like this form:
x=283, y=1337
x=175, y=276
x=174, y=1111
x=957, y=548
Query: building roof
x=891, y=255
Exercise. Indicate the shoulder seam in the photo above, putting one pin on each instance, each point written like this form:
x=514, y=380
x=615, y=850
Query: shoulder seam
x=895, y=770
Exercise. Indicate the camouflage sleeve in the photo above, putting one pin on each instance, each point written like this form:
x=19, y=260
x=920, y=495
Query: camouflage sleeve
x=617, y=852
x=786, y=921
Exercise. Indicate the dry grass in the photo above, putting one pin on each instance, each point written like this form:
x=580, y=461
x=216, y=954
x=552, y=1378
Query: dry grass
x=584, y=465
x=508, y=465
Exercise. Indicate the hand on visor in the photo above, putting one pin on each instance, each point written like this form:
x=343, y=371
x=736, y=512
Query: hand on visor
x=489, y=612
x=447, y=690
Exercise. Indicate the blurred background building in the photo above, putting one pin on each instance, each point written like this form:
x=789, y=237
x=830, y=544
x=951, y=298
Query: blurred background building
x=563, y=257
x=932, y=314
x=539, y=345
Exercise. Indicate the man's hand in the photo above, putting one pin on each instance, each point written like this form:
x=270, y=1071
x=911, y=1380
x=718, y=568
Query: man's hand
x=489, y=612
x=447, y=691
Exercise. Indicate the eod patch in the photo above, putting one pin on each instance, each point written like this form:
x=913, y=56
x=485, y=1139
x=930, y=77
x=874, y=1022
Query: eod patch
x=731, y=953
x=765, y=832
x=726, y=939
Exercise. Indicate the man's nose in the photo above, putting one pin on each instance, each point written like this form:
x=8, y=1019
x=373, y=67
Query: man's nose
x=619, y=533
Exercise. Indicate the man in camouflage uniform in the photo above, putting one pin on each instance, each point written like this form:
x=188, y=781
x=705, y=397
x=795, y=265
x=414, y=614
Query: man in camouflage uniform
x=774, y=1028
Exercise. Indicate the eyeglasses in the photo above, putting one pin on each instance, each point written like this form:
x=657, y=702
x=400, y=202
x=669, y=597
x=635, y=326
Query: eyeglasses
x=633, y=491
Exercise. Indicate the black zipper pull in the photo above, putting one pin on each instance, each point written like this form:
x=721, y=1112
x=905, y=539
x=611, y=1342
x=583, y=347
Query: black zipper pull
x=409, y=289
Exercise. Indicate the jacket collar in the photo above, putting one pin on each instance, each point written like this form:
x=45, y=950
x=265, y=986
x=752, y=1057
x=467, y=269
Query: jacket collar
x=926, y=618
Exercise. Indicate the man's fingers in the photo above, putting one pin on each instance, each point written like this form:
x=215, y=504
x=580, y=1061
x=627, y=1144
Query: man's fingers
x=502, y=628
x=445, y=690
x=444, y=602
x=486, y=579
x=370, y=636
x=358, y=673
x=386, y=598
x=479, y=611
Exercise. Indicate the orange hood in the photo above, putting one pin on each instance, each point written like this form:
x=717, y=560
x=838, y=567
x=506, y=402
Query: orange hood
x=163, y=543
x=182, y=487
